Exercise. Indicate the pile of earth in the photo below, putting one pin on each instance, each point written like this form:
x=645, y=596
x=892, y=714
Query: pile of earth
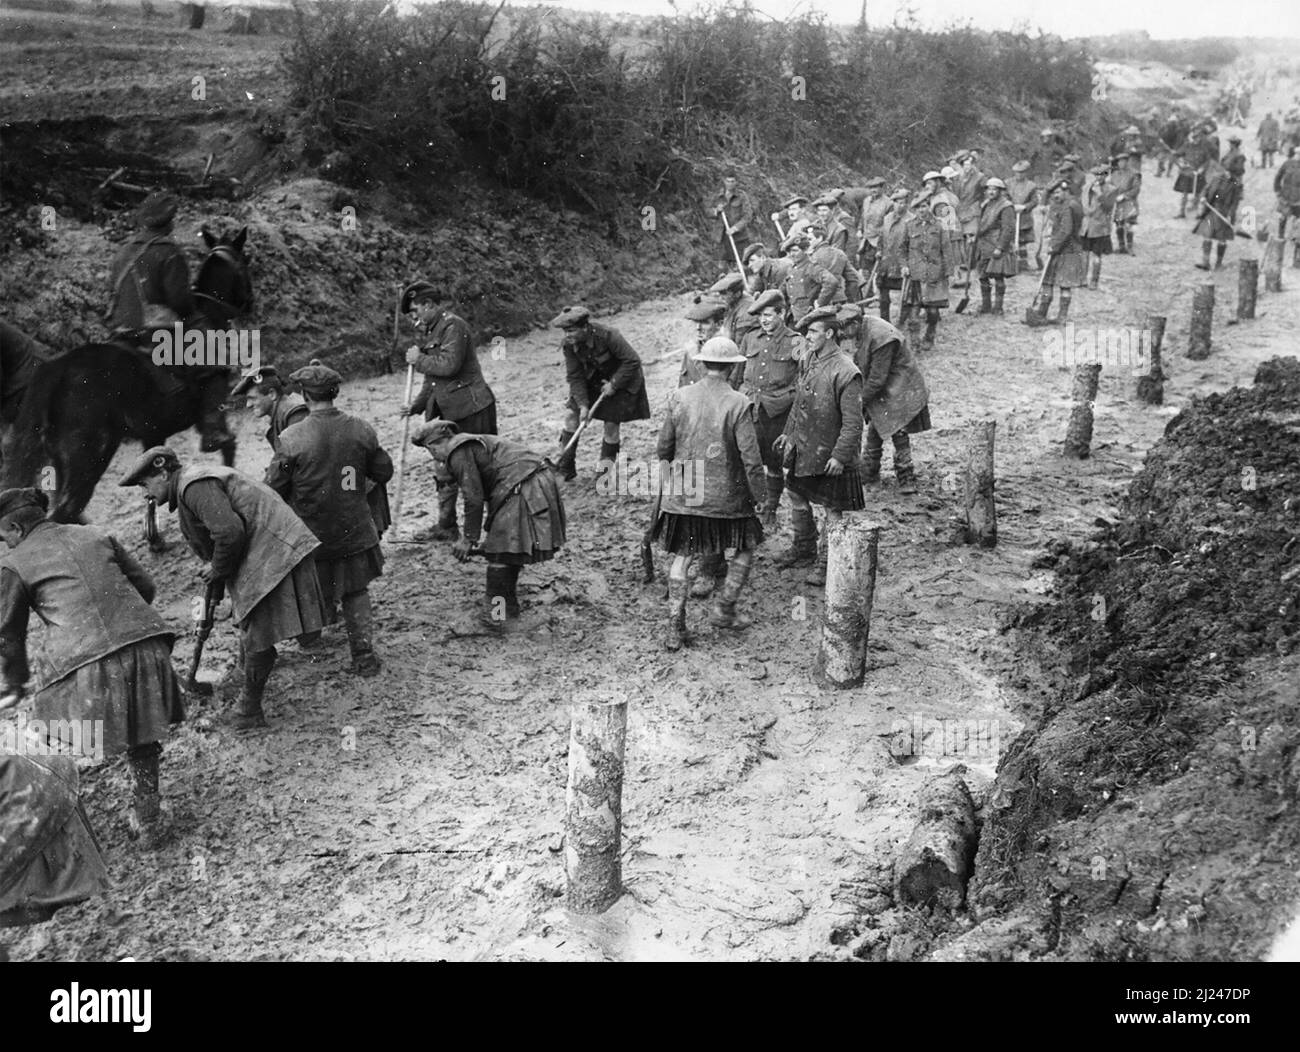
x=1150, y=814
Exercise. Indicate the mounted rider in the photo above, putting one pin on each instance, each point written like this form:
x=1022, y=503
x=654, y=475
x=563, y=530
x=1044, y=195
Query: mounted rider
x=149, y=289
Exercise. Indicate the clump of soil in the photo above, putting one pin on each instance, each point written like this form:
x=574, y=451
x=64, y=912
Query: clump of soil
x=1140, y=819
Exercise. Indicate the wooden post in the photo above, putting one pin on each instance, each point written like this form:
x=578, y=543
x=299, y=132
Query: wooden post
x=593, y=820
x=853, y=545
x=933, y=868
x=1078, y=435
x=1274, y=252
x=981, y=511
x=1198, y=344
x=1247, y=288
x=1151, y=388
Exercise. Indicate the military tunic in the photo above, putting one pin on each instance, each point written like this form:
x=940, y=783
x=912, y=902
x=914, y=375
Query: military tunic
x=1223, y=193
x=825, y=422
x=454, y=388
x=149, y=268
x=809, y=285
x=894, y=392
x=605, y=356
x=1065, y=266
x=997, y=232
x=929, y=257
x=767, y=379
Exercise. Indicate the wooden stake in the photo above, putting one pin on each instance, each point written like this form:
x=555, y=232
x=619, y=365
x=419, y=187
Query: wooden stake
x=1274, y=252
x=1198, y=344
x=1247, y=288
x=933, y=868
x=853, y=546
x=1078, y=436
x=1151, y=388
x=593, y=820
x=981, y=511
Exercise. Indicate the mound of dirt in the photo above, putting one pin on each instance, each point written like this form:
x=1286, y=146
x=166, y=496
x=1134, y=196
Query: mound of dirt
x=1141, y=818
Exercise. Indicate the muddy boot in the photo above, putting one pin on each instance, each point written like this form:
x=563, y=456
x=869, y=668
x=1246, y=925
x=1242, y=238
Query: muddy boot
x=999, y=291
x=817, y=576
x=870, y=470
x=1219, y=251
x=884, y=303
x=1063, y=311
x=1128, y=234
x=566, y=465
x=1094, y=271
x=675, y=636
x=1037, y=314
x=359, y=618
x=710, y=570
x=723, y=614
x=257, y=670
x=608, y=456
x=1204, y=264
x=145, y=818
x=803, y=549
x=513, y=610
x=986, y=299
x=904, y=470
x=931, y=323
x=447, y=529
x=775, y=487
x=1022, y=258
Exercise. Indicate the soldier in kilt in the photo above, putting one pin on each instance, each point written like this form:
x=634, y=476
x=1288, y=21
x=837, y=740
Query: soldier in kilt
x=1218, y=213
x=1065, y=263
x=1024, y=195
x=598, y=360
x=514, y=514
x=995, y=257
x=708, y=431
x=256, y=549
x=928, y=264
x=819, y=446
x=107, y=653
x=893, y=249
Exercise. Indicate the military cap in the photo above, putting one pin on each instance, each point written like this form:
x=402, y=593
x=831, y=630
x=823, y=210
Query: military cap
x=996, y=183
x=1132, y=129
x=12, y=500
x=705, y=309
x=798, y=199
x=960, y=156
x=875, y=180
x=316, y=378
x=417, y=291
x=265, y=378
x=151, y=460
x=829, y=200
x=571, y=318
x=1234, y=138
x=729, y=282
x=848, y=312
x=1062, y=184
x=947, y=171
x=1072, y=157
x=1100, y=169
x=826, y=314
x=721, y=351
x=770, y=298
x=796, y=237
x=900, y=194
x=431, y=430
x=1020, y=166
x=930, y=175
x=752, y=250
x=156, y=210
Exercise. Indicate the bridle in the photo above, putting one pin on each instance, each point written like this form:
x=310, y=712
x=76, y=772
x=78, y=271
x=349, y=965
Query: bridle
x=233, y=259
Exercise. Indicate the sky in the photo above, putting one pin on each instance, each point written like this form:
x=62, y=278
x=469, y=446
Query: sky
x=1162, y=19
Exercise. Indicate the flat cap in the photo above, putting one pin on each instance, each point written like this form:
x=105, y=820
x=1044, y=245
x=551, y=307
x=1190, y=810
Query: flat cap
x=417, y=291
x=932, y=174
x=797, y=237
x=151, y=460
x=752, y=250
x=265, y=378
x=900, y=193
x=848, y=312
x=798, y=199
x=996, y=183
x=1020, y=166
x=12, y=500
x=720, y=350
x=571, y=318
x=826, y=313
x=705, y=309
x=1100, y=169
x=730, y=282
x=960, y=156
x=829, y=200
x=771, y=298
x=431, y=430
x=156, y=210
x=875, y=180
x=315, y=376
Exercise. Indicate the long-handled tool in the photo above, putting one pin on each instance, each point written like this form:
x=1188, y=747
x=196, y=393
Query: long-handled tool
x=647, y=541
x=776, y=222
x=212, y=596
x=401, y=457
x=736, y=252
x=1226, y=220
x=1017, y=244
x=582, y=426
x=1031, y=313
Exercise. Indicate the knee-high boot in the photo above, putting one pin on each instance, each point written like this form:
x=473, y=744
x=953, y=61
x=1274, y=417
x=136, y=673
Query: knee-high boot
x=144, y=819
x=257, y=670
x=359, y=618
x=775, y=487
x=675, y=635
x=803, y=549
x=723, y=614
x=709, y=571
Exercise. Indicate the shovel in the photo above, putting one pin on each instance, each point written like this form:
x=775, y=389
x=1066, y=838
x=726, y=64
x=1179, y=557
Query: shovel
x=1031, y=315
x=1235, y=231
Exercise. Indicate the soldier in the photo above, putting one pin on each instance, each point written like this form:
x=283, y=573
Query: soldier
x=1127, y=184
x=1286, y=184
x=1234, y=161
x=525, y=521
x=837, y=231
x=598, y=360
x=1191, y=159
x=995, y=258
x=736, y=321
x=709, y=430
x=871, y=224
x=1024, y=195
x=969, y=188
x=735, y=212
x=1065, y=263
x=1172, y=135
x=326, y=467
x=149, y=280
x=893, y=248
x=1268, y=135
x=106, y=654
x=936, y=184
x=1073, y=173
x=928, y=266
x=848, y=281
x=1129, y=142
x=819, y=446
x=772, y=354
x=1098, y=209
x=266, y=397
x=796, y=214
x=764, y=272
x=808, y=285
x=1047, y=158
x=256, y=548
x=895, y=400
x=707, y=314
x=454, y=388
x=1218, y=213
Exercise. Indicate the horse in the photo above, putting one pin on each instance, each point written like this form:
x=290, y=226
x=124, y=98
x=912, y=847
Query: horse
x=78, y=408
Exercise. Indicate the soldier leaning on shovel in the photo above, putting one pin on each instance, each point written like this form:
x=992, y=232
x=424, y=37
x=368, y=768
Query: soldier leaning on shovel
x=1066, y=259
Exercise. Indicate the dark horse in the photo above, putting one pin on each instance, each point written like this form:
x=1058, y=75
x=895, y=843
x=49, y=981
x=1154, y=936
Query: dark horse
x=81, y=406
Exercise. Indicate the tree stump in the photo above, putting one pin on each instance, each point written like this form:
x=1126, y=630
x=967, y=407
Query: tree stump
x=933, y=868
x=593, y=821
x=1274, y=253
x=1198, y=344
x=1078, y=435
x=981, y=511
x=1151, y=388
x=853, y=547
x=1247, y=288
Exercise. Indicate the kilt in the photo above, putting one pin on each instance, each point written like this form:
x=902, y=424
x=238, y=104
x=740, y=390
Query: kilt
x=1098, y=246
x=883, y=282
x=927, y=294
x=68, y=870
x=619, y=407
x=1183, y=184
x=1214, y=228
x=337, y=578
x=133, y=691
x=529, y=527
x=294, y=607
x=483, y=422
x=842, y=492
x=1065, y=269
x=768, y=429
x=704, y=534
x=1005, y=266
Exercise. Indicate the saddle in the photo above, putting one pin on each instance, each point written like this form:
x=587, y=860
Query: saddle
x=167, y=379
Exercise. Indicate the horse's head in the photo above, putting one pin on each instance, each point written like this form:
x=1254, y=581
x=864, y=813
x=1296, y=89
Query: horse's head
x=223, y=287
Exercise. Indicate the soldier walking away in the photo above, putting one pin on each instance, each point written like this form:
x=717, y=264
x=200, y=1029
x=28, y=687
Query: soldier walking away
x=1218, y=214
x=1098, y=207
x=895, y=399
x=995, y=257
x=326, y=467
x=708, y=431
x=514, y=514
x=1025, y=197
x=1065, y=264
x=265, y=395
x=256, y=549
x=893, y=248
x=1126, y=181
x=928, y=265
x=454, y=388
x=598, y=361
x=772, y=355
x=735, y=212
x=819, y=446
x=106, y=652
x=1269, y=136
